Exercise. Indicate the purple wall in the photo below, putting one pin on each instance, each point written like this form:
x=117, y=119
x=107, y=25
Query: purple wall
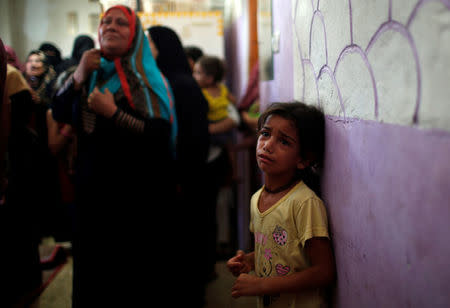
x=282, y=87
x=387, y=190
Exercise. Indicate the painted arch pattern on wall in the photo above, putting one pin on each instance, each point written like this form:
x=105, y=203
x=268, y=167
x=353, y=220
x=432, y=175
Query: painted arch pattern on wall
x=384, y=60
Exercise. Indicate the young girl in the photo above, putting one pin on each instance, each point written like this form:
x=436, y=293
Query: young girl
x=293, y=258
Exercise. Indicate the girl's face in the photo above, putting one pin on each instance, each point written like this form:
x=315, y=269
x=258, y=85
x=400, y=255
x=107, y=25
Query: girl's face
x=114, y=33
x=278, y=148
x=202, y=78
x=34, y=66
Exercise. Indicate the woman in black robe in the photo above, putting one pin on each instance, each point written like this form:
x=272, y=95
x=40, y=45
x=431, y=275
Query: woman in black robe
x=192, y=152
x=123, y=113
x=20, y=223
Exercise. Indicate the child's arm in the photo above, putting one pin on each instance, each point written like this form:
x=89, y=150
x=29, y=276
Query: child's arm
x=241, y=263
x=231, y=98
x=321, y=273
x=222, y=126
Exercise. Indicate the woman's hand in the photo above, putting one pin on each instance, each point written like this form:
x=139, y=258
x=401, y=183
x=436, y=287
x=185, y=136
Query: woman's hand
x=102, y=103
x=90, y=61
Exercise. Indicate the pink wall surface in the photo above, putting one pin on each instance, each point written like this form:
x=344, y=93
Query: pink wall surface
x=387, y=190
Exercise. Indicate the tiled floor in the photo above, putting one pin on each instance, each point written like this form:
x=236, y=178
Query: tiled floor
x=218, y=292
x=58, y=292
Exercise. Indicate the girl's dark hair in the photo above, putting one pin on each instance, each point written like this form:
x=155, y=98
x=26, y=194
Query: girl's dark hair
x=212, y=66
x=309, y=122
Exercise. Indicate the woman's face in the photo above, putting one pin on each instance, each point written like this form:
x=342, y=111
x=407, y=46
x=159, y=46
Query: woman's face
x=34, y=65
x=114, y=33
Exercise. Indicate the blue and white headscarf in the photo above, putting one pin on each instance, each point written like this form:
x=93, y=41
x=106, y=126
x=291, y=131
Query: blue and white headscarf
x=136, y=76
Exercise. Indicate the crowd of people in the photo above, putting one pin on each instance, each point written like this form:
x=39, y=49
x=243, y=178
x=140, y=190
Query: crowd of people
x=122, y=150
x=105, y=146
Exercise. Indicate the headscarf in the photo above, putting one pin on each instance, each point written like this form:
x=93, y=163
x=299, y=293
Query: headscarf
x=191, y=105
x=81, y=44
x=52, y=54
x=13, y=59
x=171, y=57
x=136, y=76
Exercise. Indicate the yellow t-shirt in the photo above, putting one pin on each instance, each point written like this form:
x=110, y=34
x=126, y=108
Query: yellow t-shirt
x=217, y=105
x=280, y=235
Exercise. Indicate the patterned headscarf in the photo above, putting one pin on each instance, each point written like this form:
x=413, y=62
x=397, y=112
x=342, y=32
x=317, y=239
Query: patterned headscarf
x=136, y=76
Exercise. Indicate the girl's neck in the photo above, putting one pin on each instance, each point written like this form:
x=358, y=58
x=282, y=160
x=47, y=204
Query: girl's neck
x=270, y=196
x=272, y=183
x=213, y=90
x=281, y=188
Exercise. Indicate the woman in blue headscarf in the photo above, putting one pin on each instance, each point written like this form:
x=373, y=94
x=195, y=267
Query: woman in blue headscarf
x=122, y=109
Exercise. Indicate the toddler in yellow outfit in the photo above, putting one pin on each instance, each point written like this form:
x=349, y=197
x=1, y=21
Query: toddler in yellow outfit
x=209, y=72
x=218, y=106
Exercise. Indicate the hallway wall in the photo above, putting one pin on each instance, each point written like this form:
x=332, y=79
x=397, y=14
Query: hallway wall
x=380, y=71
x=30, y=23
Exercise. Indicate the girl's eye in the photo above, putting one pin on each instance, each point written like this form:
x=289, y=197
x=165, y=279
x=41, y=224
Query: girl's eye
x=264, y=133
x=285, y=142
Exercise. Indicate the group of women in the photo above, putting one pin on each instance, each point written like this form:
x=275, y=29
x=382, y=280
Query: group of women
x=36, y=191
x=141, y=131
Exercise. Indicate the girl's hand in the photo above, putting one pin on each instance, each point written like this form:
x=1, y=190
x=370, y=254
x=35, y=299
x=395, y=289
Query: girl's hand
x=102, y=103
x=239, y=264
x=247, y=285
x=90, y=61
